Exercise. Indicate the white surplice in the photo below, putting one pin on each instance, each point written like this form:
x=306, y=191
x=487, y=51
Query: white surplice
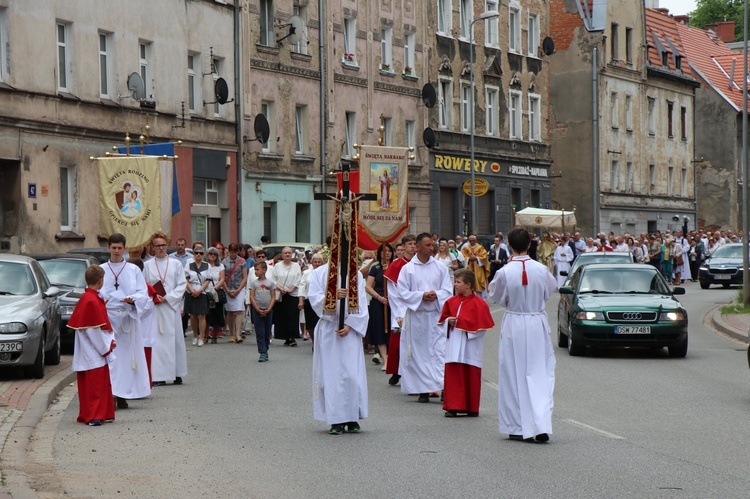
x=563, y=257
x=91, y=344
x=128, y=372
x=422, y=347
x=168, y=356
x=526, y=358
x=463, y=347
x=339, y=377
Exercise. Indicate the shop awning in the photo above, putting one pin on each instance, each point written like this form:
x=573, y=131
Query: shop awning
x=541, y=218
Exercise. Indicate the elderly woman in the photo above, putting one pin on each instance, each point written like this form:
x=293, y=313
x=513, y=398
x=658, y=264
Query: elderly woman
x=311, y=318
x=236, y=279
x=678, y=259
x=215, y=275
x=196, y=301
x=590, y=246
x=666, y=259
x=287, y=275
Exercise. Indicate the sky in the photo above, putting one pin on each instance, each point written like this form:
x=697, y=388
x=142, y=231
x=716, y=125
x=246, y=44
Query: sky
x=677, y=7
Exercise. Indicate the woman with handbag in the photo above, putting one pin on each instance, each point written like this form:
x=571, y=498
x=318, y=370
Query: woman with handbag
x=215, y=275
x=196, y=301
x=286, y=274
x=679, y=262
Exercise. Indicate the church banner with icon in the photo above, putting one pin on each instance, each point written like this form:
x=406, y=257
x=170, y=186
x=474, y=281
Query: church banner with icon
x=383, y=171
x=135, y=197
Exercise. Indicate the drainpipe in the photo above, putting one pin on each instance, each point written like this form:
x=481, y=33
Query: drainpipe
x=238, y=116
x=323, y=113
x=595, y=141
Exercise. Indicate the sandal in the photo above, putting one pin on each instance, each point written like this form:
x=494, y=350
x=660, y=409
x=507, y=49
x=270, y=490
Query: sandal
x=231, y=340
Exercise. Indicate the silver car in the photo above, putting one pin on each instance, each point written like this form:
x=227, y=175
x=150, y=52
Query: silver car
x=29, y=316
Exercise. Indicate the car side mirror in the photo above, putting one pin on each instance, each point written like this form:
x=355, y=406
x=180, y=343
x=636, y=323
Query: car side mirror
x=566, y=290
x=564, y=273
x=678, y=291
x=52, y=291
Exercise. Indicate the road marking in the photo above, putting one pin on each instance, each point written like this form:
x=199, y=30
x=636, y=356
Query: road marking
x=595, y=430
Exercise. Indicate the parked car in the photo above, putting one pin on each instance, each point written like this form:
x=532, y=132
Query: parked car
x=29, y=316
x=621, y=306
x=66, y=271
x=101, y=253
x=723, y=267
x=598, y=257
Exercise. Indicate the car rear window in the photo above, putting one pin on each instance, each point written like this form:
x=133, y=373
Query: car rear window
x=65, y=272
x=16, y=279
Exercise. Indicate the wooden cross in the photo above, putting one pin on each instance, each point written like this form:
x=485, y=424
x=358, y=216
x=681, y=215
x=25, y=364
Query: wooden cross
x=345, y=249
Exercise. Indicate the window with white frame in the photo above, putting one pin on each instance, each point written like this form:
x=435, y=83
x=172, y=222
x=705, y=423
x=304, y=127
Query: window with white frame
x=387, y=131
x=205, y=192
x=614, y=118
x=514, y=29
x=465, y=107
x=409, y=41
x=301, y=46
x=386, y=49
x=267, y=109
x=631, y=178
x=535, y=117
x=445, y=17
x=105, y=64
x=514, y=115
x=491, y=26
x=64, y=56
x=491, y=110
x=218, y=69
x=144, y=63
x=465, y=17
x=266, y=23
x=445, y=97
x=533, y=35
x=614, y=179
x=350, y=134
x=300, y=120
x=67, y=197
x=4, y=45
x=350, y=41
x=670, y=181
x=628, y=113
x=193, y=62
x=410, y=129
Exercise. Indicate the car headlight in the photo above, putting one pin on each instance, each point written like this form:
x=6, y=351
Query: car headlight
x=590, y=316
x=67, y=309
x=13, y=327
x=703, y=268
x=672, y=316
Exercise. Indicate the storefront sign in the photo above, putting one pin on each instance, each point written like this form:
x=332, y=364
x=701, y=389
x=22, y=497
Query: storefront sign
x=528, y=171
x=461, y=164
x=481, y=187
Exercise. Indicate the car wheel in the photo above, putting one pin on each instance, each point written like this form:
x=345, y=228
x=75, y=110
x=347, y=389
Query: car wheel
x=574, y=349
x=726, y=285
x=53, y=358
x=705, y=285
x=678, y=349
x=36, y=370
x=562, y=338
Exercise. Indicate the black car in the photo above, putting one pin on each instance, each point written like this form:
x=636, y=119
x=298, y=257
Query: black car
x=723, y=267
x=66, y=271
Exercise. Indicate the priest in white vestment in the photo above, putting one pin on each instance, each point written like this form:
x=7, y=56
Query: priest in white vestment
x=168, y=355
x=526, y=359
x=423, y=287
x=339, y=377
x=563, y=257
x=125, y=294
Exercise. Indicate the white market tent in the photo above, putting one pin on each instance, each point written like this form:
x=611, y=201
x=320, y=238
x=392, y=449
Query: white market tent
x=541, y=218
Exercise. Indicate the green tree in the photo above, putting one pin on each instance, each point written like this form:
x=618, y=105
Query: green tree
x=712, y=11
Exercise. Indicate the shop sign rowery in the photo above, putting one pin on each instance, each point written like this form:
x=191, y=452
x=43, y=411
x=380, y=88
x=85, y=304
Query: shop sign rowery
x=483, y=167
x=481, y=187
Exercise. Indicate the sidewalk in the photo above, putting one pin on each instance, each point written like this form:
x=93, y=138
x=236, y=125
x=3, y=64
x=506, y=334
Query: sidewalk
x=734, y=325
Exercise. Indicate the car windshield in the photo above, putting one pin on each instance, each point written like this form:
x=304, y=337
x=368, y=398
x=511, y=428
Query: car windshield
x=63, y=272
x=611, y=257
x=16, y=279
x=625, y=280
x=733, y=252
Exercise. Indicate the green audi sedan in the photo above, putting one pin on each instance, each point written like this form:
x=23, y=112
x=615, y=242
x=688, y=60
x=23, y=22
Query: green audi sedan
x=607, y=305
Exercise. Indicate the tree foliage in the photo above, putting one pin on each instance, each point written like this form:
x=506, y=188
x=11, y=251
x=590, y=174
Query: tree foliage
x=712, y=11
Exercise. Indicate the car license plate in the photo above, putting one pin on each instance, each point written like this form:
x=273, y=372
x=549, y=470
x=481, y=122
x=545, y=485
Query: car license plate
x=11, y=346
x=722, y=277
x=632, y=329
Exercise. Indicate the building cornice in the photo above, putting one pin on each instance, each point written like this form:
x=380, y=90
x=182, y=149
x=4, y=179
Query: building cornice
x=278, y=67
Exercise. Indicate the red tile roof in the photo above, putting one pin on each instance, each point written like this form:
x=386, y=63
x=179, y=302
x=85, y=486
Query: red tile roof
x=712, y=60
x=662, y=36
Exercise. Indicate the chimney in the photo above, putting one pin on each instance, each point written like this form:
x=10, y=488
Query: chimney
x=724, y=30
x=682, y=19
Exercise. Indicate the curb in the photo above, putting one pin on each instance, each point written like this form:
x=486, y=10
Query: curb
x=13, y=453
x=720, y=325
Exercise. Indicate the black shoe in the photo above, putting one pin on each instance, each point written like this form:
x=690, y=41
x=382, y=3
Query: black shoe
x=336, y=429
x=293, y=343
x=423, y=398
x=287, y=343
x=121, y=403
x=394, y=380
x=541, y=438
x=95, y=422
x=472, y=414
x=178, y=381
x=520, y=438
x=159, y=383
x=352, y=427
x=451, y=414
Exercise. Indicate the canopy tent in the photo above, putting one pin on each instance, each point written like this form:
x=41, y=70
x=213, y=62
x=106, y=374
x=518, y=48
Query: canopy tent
x=541, y=218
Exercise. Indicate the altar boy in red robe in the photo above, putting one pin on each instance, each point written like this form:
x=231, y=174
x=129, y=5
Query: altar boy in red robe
x=94, y=342
x=466, y=317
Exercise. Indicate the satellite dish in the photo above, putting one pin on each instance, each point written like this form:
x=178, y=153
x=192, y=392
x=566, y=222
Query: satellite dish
x=262, y=129
x=429, y=138
x=548, y=45
x=136, y=87
x=296, y=29
x=221, y=90
x=429, y=96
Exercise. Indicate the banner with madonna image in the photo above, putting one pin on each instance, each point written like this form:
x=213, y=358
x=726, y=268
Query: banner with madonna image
x=135, y=195
x=383, y=171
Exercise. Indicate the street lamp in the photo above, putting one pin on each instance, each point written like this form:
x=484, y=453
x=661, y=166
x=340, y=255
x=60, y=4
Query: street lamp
x=490, y=14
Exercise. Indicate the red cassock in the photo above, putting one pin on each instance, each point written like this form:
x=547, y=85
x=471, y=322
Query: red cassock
x=463, y=371
x=89, y=320
x=394, y=342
